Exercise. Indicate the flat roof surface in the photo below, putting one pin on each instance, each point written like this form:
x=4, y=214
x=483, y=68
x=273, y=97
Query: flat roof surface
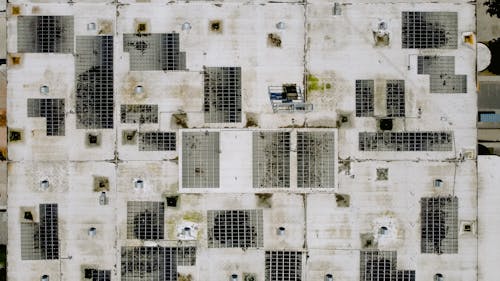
x=323, y=54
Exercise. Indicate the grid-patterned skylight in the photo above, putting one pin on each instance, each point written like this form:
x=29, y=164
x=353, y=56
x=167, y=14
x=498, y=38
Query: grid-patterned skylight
x=200, y=159
x=378, y=266
x=364, y=98
x=97, y=274
x=45, y=34
x=222, y=94
x=421, y=30
x=139, y=113
x=283, y=266
x=441, y=70
x=235, y=229
x=271, y=159
x=40, y=241
x=148, y=263
x=154, y=51
x=145, y=220
x=94, y=82
x=395, y=98
x=405, y=141
x=157, y=141
x=315, y=159
x=52, y=110
x=439, y=222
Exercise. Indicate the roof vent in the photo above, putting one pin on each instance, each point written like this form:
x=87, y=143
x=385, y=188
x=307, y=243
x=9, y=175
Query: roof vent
x=438, y=277
x=92, y=231
x=138, y=89
x=234, y=277
x=383, y=230
x=44, y=184
x=186, y=26
x=44, y=277
x=280, y=25
x=329, y=277
x=139, y=184
x=281, y=230
x=337, y=9
x=44, y=89
x=91, y=26
x=103, y=199
x=438, y=183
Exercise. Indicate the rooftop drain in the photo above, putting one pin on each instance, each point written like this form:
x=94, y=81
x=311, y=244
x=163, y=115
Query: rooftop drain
x=281, y=230
x=44, y=89
x=44, y=184
x=92, y=231
x=328, y=277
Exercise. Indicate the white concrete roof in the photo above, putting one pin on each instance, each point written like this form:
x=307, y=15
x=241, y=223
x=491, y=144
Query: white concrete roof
x=335, y=50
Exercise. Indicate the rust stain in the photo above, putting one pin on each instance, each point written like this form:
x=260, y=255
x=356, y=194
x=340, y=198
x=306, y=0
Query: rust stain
x=141, y=26
x=274, y=40
x=105, y=27
x=15, y=59
x=469, y=39
x=3, y=153
x=3, y=117
x=16, y=10
x=35, y=10
x=215, y=26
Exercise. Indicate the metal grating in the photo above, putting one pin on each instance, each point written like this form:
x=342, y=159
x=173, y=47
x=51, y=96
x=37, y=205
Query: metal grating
x=378, y=265
x=40, y=241
x=97, y=275
x=145, y=220
x=406, y=275
x=283, y=266
x=235, y=229
x=151, y=52
x=423, y=30
x=364, y=98
x=157, y=141
x=271, y=159
x=395, y=98
x=222, y=94
x=200, y=159
x=315, y=159
x=94, y=82
x=148, y=263
x=439, y=217
x=139, y=113
x=442, y=74
x=45, y=34
x=52, y=110
x=406, y=141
